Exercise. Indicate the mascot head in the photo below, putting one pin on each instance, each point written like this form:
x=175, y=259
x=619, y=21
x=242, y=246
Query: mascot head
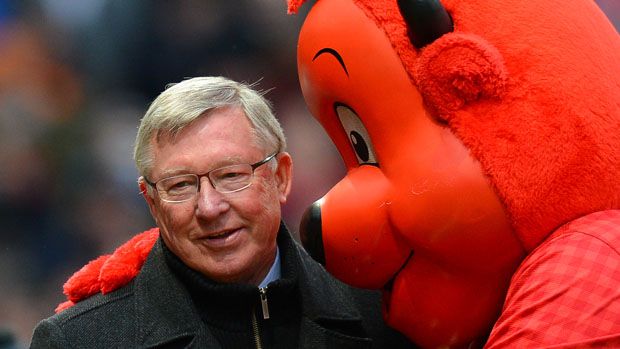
x=471, y=130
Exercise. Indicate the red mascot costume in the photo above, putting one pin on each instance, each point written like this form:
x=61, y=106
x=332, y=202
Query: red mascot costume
x=482, y=141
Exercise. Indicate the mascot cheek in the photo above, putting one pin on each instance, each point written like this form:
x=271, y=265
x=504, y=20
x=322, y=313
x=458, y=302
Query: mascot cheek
x=439, y=308
x=360, y=246
x=465, y=249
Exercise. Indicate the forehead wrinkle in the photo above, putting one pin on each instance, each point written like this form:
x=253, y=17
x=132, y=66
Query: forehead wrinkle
x=226, y=161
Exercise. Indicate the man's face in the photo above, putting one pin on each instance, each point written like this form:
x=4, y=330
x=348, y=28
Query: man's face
x=227, y=237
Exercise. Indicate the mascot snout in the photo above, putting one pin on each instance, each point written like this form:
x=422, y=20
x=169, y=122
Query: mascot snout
x=311, y=233
x=364, y=189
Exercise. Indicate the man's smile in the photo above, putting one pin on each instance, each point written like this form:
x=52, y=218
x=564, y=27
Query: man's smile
x=221, y=238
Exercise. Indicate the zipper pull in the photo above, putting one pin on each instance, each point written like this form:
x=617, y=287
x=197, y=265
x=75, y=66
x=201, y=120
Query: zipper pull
x=263, y=302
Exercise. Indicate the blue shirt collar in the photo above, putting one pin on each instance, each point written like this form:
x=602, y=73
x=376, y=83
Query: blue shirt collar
x=274, y=272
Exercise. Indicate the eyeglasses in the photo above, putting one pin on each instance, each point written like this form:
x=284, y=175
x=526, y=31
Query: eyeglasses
x=227, y=179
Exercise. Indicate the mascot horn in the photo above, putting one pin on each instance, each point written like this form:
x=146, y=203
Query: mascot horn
x=482, y=142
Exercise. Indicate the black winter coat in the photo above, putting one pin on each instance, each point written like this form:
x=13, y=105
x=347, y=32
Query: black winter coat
x=155, y=310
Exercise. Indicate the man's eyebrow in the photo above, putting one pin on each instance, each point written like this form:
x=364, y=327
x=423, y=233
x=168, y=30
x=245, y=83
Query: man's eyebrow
x=173, y=172
x=226, y=161
x=335, y=54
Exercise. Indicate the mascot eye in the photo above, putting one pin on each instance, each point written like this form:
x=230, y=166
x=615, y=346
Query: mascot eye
x=361, y=149
x=358, y=135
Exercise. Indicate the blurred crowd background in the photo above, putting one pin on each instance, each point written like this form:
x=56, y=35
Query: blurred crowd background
x=75, y=78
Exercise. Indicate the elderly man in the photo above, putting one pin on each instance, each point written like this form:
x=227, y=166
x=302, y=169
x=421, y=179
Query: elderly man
x=224, y=271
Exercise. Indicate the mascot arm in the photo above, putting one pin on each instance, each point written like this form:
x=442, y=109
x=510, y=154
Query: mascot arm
x=109, y=272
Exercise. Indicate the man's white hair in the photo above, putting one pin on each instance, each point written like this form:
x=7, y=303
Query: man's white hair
x=183, y=103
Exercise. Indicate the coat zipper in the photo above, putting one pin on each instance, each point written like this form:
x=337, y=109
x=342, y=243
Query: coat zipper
x=257, y=340
x=263, y=302
x=265, y=308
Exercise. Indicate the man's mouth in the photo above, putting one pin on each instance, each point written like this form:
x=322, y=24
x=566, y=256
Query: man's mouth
x=222, y=235
x=221, y=239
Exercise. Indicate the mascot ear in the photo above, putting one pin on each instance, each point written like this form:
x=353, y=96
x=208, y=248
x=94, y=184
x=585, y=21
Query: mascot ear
x=458, y=69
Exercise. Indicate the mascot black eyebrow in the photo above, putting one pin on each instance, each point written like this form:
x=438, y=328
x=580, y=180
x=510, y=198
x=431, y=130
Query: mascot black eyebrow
x=482, y=142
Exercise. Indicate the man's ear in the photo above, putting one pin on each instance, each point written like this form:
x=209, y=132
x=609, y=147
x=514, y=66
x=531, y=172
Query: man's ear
x=147, y=197
x=284, y=175
x=143, y=190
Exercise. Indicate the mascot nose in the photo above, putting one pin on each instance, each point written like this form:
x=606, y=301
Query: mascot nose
x=311, y=233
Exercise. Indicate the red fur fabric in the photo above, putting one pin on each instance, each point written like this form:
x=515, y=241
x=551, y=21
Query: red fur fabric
x=109, y=272
x=459, y=69
x=294, y=5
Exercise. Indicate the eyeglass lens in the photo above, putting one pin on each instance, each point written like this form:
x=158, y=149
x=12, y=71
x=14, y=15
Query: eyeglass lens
x=224, y=180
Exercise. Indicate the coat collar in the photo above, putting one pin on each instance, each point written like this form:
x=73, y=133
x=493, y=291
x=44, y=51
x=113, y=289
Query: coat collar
x=163, y=307
x=166, y=315
x=322, y=296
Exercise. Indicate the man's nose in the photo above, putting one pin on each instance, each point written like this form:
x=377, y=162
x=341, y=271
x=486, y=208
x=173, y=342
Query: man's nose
x=209, y=202
x=311, y=233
